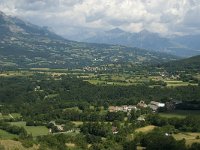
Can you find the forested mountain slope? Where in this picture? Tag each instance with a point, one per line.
(26, 45)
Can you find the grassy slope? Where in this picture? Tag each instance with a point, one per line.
(188, 136)
(6, 135)
(15, 145)
(192, 63)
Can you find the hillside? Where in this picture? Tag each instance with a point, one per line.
(184, 46)
(189, 64)
(26, 45)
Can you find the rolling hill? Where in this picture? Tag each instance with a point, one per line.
(24, 45)
(189, 64)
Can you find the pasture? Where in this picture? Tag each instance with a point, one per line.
(145, 129)
(176, 83)
(180, 113)
(16, 145)
(34, 130)
(188, 136)
(10, 116)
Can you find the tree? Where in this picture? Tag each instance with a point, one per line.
(130, 145)
(135, 114)
(157, 140)
(195, 146)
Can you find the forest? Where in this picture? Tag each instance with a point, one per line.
(76, 111)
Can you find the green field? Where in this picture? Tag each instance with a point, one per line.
(197, 76)
(175, 83)
(16, 145)
(15, 73)
(172, 115)
(15, 115)
(188, 136)
(5, 116)
(34, 130)
(77, 123)
(6, 135)
(145, 129)
(180, 113)
(10, 116)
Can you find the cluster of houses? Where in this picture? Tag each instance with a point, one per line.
(153, 105)
(124, 108)
(95, 69)
(60, 128)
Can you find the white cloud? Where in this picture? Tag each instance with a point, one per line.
(64, 16)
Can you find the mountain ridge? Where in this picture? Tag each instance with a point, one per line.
(26, 45)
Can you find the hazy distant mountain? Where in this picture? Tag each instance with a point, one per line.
(184, 46)
(26, 45)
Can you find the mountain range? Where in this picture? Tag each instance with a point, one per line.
(182, 46)
(24, 45)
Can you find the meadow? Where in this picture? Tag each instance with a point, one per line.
(6, 135)
(34, 130)
(189, 137)
(180, 113)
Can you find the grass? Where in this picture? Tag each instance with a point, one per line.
(73, 108)
(72, 145)
(6, 135)
(95, 82)
(34, 130)
(180, 113)
(176, 83)
(188, 136)
(145, 129)
(15, 73)
(16, 145)
(10, 116)
(4, 116)
(197, 76)
(77, 123)
(16, 115)
(172, 115)
(101, 82)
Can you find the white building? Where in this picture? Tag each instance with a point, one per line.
(156, 105)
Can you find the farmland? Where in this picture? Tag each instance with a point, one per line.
(44, 105)
(106, 78)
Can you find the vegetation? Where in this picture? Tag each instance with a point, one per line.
(64, 111)
(102, 97)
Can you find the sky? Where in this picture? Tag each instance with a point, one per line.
(75, 17)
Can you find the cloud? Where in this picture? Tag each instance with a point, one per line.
(64, 16)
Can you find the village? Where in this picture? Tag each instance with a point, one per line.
(152, 107)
